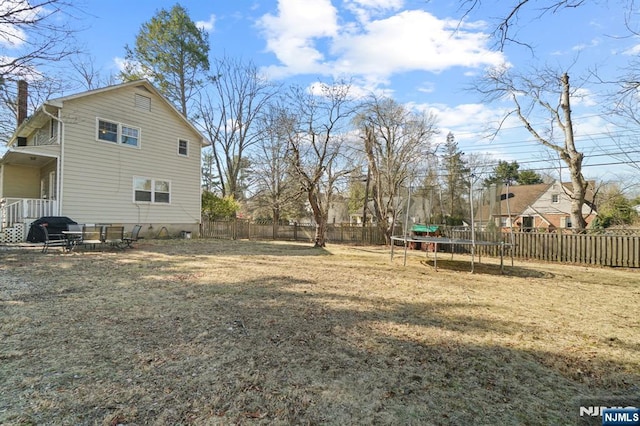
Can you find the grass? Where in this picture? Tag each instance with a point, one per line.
(239, 332)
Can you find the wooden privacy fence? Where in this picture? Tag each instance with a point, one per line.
(590, 249)
(244, 229)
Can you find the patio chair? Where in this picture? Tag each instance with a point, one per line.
(74, 235)
(133, 237)
(91, 235)
(114, 235)
(53, 240)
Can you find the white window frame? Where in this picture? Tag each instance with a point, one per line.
(555, 198)
(121, 133)
(153, 191)
(186, 147)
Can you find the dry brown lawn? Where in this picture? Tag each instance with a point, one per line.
(238, 332)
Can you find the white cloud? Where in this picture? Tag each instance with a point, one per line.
(580, 47)
(120, 63)
(462, 117)
(207, 25)
(364, 10)
(633, 51)
(583, 97)
(378, 4)
(413, 40)
(470, 123)
(307, 39)
(291, 34)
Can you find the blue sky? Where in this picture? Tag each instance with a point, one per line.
(417, 51)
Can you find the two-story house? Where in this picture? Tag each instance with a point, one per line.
(120, 155)
(545, 206)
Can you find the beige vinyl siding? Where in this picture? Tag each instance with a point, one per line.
(45, 174)
(98, 175)
(21, 182)
(545, 205)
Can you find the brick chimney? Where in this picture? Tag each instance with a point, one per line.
(22, 100)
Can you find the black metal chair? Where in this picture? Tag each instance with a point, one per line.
(133, 237)
(74, 235)
(91, 235)
(53, 240)
(114, 235)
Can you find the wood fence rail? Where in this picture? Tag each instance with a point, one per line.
(587, 249)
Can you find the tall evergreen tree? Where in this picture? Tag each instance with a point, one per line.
(456, 180)
(171, 51)
(510, 173)
(528, 177)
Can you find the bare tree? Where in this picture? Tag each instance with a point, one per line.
(34, 33)
(40, 90)
(534, 92)
(229, 112)
(88, 75)
(622, 109)
(274, 182)
(397, 144)
(316, 125)
(509, 13)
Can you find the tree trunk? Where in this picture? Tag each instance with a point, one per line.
(573, 158)
(387, 235)
(320, 218)
(276, 222)
(321, 233)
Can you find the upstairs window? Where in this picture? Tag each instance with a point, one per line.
(555, 198)
(183, 148)
(130, 136)
(151, 190)
(109, 131)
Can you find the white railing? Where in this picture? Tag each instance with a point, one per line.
(16, 210)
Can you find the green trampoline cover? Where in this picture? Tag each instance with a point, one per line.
(424, 228)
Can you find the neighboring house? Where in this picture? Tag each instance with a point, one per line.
(421, 210)
(117, 155)
(534, 207)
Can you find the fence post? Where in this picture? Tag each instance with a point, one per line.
(295, 231)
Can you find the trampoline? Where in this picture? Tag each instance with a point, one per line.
(448, 241)
(436, 240)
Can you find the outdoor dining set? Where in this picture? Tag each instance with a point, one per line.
(90, 236)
